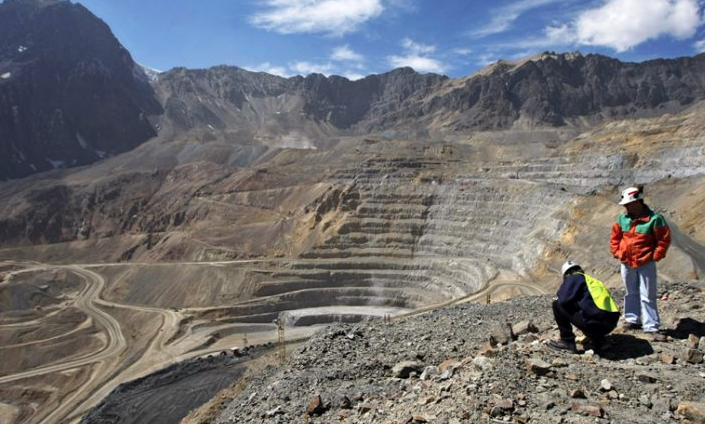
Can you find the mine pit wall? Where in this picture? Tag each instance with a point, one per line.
(419, 211)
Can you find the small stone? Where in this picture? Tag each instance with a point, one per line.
(571, 377)
(405, 368)
(693, 411)
(646, 378)
(501, 334)
(693, 341)
(585, 409)
(701, 344)
(612, 394)
(667, 359)
(419, 419)
(645, 360)
(524, 327)
(538, 366)
(275, 411)
(505, 404)
(449, 364)
(693, 356)
(447, 374)
(577, 394)
(605, 385)
(482, 362)
(487, 350)
(315, 407)
(495, 412)
(559, 363)
(644, 400)
(429, 372)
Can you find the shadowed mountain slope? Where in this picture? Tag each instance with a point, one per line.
(70, 94)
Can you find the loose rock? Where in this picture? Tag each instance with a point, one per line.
(693, 411)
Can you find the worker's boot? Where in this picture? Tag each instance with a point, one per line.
(562, 345)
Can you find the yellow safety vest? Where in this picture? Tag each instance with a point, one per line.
(599, 294)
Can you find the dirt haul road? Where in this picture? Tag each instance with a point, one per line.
(85, 302)
(160, 351)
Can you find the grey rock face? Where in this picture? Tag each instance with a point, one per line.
(550, 90)
(70, 94)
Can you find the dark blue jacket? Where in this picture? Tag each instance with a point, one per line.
(573, 295)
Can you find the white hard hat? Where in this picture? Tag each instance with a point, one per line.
(568, 265)
(629, 195)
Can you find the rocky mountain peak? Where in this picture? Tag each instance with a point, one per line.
(70, 94)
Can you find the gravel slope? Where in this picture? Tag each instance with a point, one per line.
(355, 370)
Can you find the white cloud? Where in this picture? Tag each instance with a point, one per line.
(419, 63)
(553, 37)
(462, 52)
(269, 68)
(417, 48)
(503, 17)
(334, 17)
(619, 25)
(306, 68)
(623, 24)
(344, 53)
(417, 57)
(700, 46)
(487, 59)
(353, 76)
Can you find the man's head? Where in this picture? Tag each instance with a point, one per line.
(632, 200)
(570, 267)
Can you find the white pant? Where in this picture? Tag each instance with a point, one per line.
(640, 300)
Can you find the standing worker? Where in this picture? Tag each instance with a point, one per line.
(583, 301)
(640, 238)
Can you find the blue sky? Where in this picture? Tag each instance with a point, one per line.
(355, 38)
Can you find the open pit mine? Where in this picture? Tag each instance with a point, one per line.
(231, 209)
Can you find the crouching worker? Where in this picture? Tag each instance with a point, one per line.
(584, 302)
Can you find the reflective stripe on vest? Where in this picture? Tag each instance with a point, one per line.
(599, 294)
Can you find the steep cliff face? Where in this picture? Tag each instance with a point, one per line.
(234, 104)
(549, 90)
(556, 90)
(70, 94)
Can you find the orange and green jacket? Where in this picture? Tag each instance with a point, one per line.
(638, 241)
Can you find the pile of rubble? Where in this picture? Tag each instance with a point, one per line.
(487, 363)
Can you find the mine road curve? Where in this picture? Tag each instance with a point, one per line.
(489, 288)
(116, 341)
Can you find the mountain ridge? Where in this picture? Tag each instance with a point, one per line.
(75, 99)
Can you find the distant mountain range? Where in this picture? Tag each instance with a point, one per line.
(70, 95)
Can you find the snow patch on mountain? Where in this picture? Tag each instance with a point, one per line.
(81, 141)
(145, 72)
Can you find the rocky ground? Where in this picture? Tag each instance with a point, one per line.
(464, 364)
